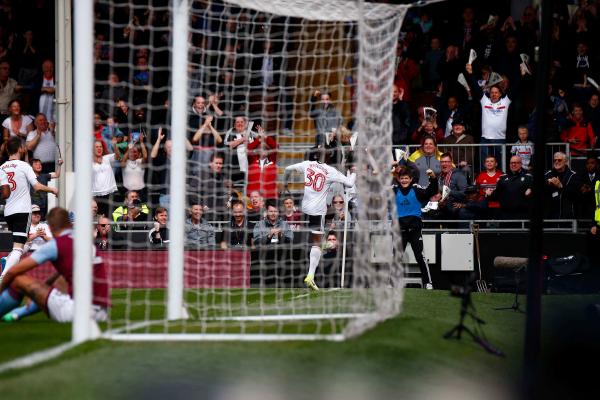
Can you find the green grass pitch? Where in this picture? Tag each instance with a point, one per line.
(405, 353)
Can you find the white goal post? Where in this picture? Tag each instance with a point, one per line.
(345, 46)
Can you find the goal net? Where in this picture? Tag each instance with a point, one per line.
(204, 104)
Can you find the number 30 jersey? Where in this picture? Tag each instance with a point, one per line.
(20, 178)
(318, 178)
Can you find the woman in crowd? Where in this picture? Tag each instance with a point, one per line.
(425, 158)
(133, 165)
(16, 124)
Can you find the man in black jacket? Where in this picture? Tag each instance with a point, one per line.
(513, 191)
(562, 189)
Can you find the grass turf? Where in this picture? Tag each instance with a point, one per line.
(406, 353)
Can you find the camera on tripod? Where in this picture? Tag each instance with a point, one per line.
(467, 309)
(461, 291)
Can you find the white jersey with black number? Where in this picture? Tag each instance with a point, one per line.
(20, 178)
(318, 178)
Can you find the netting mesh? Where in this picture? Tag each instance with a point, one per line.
(260, 76)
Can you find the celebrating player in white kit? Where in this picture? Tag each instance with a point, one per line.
(17, 212)
(318, 178)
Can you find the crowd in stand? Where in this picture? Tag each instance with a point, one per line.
(459, 82)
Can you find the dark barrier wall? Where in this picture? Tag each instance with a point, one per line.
(491, 245)
(511, 244)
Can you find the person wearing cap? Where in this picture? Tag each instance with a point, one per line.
(39, 232)
(462, 156)
(472, 206)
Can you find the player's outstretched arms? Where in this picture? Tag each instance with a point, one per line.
(38, 187)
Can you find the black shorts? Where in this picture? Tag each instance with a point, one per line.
(18, 224)
(316, 223)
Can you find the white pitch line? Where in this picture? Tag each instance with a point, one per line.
(36, 358)
(301, 296)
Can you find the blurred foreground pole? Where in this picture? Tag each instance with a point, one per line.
(532, 362)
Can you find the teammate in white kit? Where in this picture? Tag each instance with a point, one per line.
(318, 178)
(17, 211)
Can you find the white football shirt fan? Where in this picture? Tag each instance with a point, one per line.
(318, 178)
(20, 178)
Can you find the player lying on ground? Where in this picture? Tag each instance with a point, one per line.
(318, 178)
(57, 304)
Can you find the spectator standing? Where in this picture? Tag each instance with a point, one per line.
(513, 191)
(41, 198)
(47, 91)
(105, 237)
(17, 124)
(579, 133)
(563, 189)
(462, 156)
(237, 234)
(8, 89)
(430, 64)
(104, 184)
(161, 163)
(327, 118)
(256, 208)
(199, 233)
(338, 216)
(272, 229)
(209, 186)
(264, 142)
(135, 213)
(42, 143)
(111, 92)
(202, 134)
(159, 234)
(494, 116)
(132, 199)
(237, 139)
(262, 175)
(589, 176)
(291, 214)
(592, 114)
(400, 118)
(428, 127)
(133, 166)
(426, 157)
(487, 180)
(407, 71)
(453, 179)
(523, 148)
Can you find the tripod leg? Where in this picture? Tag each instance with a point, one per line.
(456, 330)
(484, 343)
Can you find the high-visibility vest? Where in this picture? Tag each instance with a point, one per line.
(597, 195)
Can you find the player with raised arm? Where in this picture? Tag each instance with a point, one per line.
(57, 303)
(17, 212)
(318, 178)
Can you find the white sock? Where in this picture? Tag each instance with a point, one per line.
(315, 257)
(13, 257)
